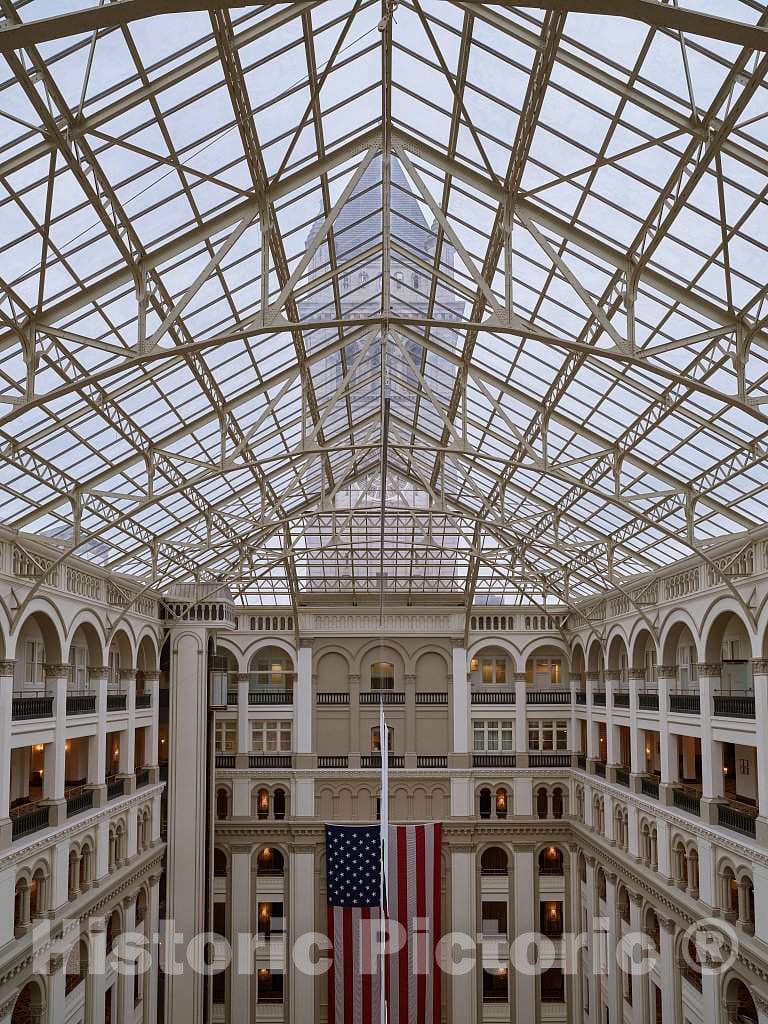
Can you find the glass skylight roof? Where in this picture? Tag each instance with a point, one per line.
(356, 298)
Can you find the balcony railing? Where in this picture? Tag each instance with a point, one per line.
(332, 760)
(622, 776)
(25, 708)
(431, 761)
(598, 698)
(581, 762)
(232, 698)
(548, 697)
(685, 703)
(117, 701)
(428, 697)
(552, 929)
(382, 697)
(27, 819)
(493, 760)
(600, 769)
(649, 787)
(142, 777)
(620, 698)
(333, 698)
(685, 801)
(374, 760)
(270, 760)
(489, 696)
(81, 703)
(271, 696)
(79, 802)
(115, 788)
(581, 696)
(648, 701)
(225, 760)
(735, 820)
(549, 760)
(143, 701)
(731, 706)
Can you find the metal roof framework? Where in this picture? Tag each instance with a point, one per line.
(567, 388)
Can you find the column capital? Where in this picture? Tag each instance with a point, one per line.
(759, 667)
(409, 677)
(305, 643)
(7, 666)
(667, 923)
(129, 900)
(6, 1008)
(519, 677)
(637, 675)
(127, 675)
(56, 670)
(151, 676)
(55, 963)
(457, 643)
(612, 677)
(97, 924)
(242, 677)
(592, 677)
(761, 1001)
(98, 673)
(354, 677)
(666, 671)
(709, 668)
(154, 881)
(590, 859)
(636, 898)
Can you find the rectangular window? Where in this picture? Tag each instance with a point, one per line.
(493, 735)
(271, 736)
(382, 675)
(226, 737)
(487, 675)
(34, 659)
(494, 917)
(113, 667)
(78, 666)
(548, 734)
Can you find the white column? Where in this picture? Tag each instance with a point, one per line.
(640, 1010)
(56, 990)
(525, 921)
(662, 849)
(707, 872)
(638, 766)
(760, 882)
(521, 720)
(243, 727)
(760, 682)
(711, 751)
(128, 740)
(126, 982)
(590, 684)
(7, 897)
(463, 919)
(96, 981)
(611, 736)
(97, 744)
(56, 678)
(152, 735)
(761, 1005)
(153, 928)
(668, 969)
(187, 805)
(461, 705)
(241, 919)
(303, 700)
(6, 725)
(302, 922)
(667, 744)
(615, 994)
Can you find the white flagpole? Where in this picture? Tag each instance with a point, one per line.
(384, 819)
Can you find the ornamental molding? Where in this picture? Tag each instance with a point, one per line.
(7, 666)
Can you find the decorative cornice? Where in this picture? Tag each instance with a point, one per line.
(127, 675)
(6, 1008)
(56, 670)
(709, 668)
(665, 671)
(151, 676)
(7, 666)
(760, 666)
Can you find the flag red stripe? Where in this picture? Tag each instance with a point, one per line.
(436, 978)
(423, 941)
(349, 975)
(403, 881)
(331, 972)
(366, 979)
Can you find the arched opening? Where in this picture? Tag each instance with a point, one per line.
(222, 803)
(485, 803)
(551, 861)
(77, 967)
(270, 862)
(728, 644)
(29, 1008)
(219, 863)
(542, 803)
(558, 803)
(652, 928)
(739, 1003)
(270, 669)
(279, 804)
(493, 861)
(501, 802)
(262, 804)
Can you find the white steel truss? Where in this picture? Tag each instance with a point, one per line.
(391, 300)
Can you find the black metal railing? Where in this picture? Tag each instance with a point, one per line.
(552, 929)
(232, 700)
(600, 769)
(622, 776)
(493, 696)
(685, 801)
(27, 819)
(79, 802)
(735, 820)
(270, 760)
(620, 699)
(581, 762)
(431, 761)
(333, 698)
(225, 760)
(115, 788)
(493, 760)
(25, 708)
(734, 707)
(382, 697)
(332, 760)
(598, 698)
(143, 701)
(427, 697)
(649, 787)
(81, 703)
(548, 760)
(648, 701)
(685, 703)
(374, 760)
(142, 778)
(117, 701)
(548, 697)
(581, 696)
(276, 696)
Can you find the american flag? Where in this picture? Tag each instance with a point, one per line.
(354, 908)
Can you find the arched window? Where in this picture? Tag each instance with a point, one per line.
(278, 804)
(262, 804)
(557, 802)
(501, 802)
(382, 675)
(269, 862)
(551, 861)
(222, 804)
(219, 863)
(542, 803)
(493, 861)
(485, 803)
(600, 884)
